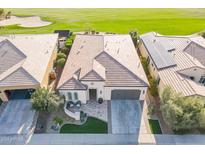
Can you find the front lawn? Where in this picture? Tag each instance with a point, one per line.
(92, 125)
(155, 127)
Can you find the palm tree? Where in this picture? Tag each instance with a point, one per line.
(44, 99)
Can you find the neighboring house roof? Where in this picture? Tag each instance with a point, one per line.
(62, 33)
(159, 50)
(184, 60)
(196, 49)
(24, 58)
(9, 55)
(112, 58)
(18, 78)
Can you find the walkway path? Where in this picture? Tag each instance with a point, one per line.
(96, 110)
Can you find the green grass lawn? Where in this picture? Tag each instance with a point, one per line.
(92, 125)
(164, 21)
(155, 127)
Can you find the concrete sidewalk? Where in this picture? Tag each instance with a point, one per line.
(83, 139)
(172, 139)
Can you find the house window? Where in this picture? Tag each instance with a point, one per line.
(75, 95)
(69, 96)
(202, 80)
(100, 91)
(192, 78)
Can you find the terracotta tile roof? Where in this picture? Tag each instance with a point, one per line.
(120, 50)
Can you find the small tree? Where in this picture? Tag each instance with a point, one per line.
(61, 55)
(60, 62)
(69, 42)
(64, 50)
(8, 15)
(135, 37)
(145, 65)
(58, 121)
(2, 12)
(44, 100)
(182, 113)
(61, 59)
(203, 34)
(153, 87)
(202, 118)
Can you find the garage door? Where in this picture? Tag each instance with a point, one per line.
(125, 94)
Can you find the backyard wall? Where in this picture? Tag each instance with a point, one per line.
(45, 81)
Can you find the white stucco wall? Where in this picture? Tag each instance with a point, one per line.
(82, 94)
(161, 87)
(108, 91)
(152, 67)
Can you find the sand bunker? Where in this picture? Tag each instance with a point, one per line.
(33, 21)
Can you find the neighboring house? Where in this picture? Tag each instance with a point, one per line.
(62, 37)
(25, 62)
(103, 66)
(177, 61)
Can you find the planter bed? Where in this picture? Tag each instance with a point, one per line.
(155, 126)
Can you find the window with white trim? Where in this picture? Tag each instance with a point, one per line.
(69, 95)
(75, 95)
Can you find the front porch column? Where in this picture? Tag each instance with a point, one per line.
(3, 96)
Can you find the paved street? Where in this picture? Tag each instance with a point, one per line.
(172, 139)
(83, 139)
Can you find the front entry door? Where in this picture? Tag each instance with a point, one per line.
(93, 94)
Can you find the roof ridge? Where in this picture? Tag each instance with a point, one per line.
(11, 70)
(17, 49)
(136, 76)
(30, 77)
(72, 78)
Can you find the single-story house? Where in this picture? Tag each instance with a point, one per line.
(25, 62)
(176, 61)
(103, 66)
(62, 37)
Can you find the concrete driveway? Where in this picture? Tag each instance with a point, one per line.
(125, 117)
(17, 117)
